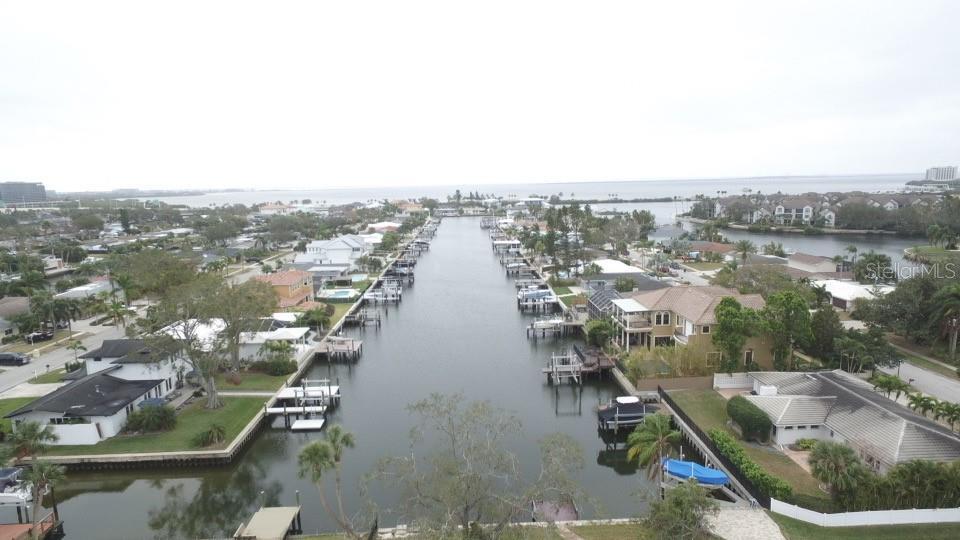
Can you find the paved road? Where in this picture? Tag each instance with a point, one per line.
(928, 382)
(56, 358)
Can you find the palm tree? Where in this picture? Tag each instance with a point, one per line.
(41, 477)
(852, 250)
(914, 401)
(651, 442)
(837, 465)
(946, 314)
(316, 318)
(744, 248)
(119, 312)
(30, 439)
(320, 457)
(76, 346)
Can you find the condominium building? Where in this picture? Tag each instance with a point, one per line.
(942, 173)
(22, 192)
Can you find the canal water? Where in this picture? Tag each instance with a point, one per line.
(457, 331)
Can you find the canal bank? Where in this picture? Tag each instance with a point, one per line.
(457, 330)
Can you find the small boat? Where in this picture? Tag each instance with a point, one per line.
(624, 411)
(13, 491)
(705, 476)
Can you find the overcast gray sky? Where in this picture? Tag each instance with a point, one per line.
(99, 95)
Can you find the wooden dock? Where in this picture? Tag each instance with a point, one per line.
(337, 348)
(271, 523)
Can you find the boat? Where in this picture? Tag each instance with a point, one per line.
(14, 491)
(624, 411)
(705, 476)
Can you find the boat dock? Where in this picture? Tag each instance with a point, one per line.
(272, 523)
(340, 348)
(550, 327)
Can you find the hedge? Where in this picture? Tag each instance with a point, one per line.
(754, 423)
(767, 484)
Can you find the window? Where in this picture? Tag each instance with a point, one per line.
(705, 329)
(663, 318)
(713, 358)
(788, 428)
(748, 357)
(801, 427)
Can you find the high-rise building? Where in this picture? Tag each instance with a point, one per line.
(22, 192)
(942, 173)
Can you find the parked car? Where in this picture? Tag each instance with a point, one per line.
(34, 337)
(13, 359)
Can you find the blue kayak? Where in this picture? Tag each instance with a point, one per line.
(689, 469)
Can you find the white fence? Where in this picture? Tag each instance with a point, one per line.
(878, 517)
(732, 380)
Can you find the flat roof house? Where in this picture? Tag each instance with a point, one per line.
(836, 406)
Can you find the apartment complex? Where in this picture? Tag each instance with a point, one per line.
(942, 173)
(22, 192)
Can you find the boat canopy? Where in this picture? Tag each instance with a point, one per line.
(688, 469)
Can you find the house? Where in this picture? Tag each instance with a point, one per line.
(98, 286)
(836, 406)
(383, 227)
(293, 287)
(275, 209)
(10, 307)
(252, 343)
(813, 263)
(206, 335)
(682, 316)
(344, 249)
(843, 294)
(116, 378)
(611, 270)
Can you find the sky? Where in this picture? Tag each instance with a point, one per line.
(310, 95)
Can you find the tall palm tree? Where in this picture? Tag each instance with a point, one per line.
(321, 457)
(837, 465)
(744, 248)
(118, 311)
(316, 318)
(852, 250)
(651, 442)
(30, 439)
(42, 476)
(946, 315)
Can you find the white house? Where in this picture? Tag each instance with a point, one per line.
(812, 263)
(115, 380)
(843, 293)
(836, 406)
(344, 249)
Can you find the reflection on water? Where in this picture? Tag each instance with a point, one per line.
(457, 330)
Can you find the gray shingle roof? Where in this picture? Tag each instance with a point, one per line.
(100, 394)
(877, 425)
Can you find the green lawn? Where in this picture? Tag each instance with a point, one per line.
(704, 266)
(49, 377)
(251, 380)
(930, 366)
(636, 531)
(935, 254)
(573, 299)
(800, 530)
(9, 405)
(560, 291)
(339, 310)
(234, 416)
(709, 410)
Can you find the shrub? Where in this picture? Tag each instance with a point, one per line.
(806, 444)
(276, 366)
(152, 418)
(233, 378)
(625, 284)
(599, 332)
(554, 281)
(70, 366)
(752, 421)
(215, 434)
(767, 484)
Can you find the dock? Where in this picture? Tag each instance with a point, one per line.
(271, 523)
(341, 348)
(562, 367)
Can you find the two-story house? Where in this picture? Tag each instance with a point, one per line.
(682, 316)
(293, 287)
(343, 250)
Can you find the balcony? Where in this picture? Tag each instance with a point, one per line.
(681, 337)
(635, 323)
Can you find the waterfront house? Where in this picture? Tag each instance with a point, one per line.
(611, 270)
(344, 249)
(115, 379)
(836, 406)
(88, 410)
(293, 287)
(682, 316)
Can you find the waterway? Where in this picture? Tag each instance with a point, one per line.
(457, 330)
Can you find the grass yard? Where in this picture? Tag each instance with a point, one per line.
(800, 530)
(560, 291)
(572, 300)
(251, 380)
(704, 266)
(49, 377)
(234, 416)
(9, 405)
(935, 254)
(930, 366)
(709, 410)
(637, 531)
(339, 310)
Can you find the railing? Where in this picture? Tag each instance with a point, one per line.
(760, 497)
